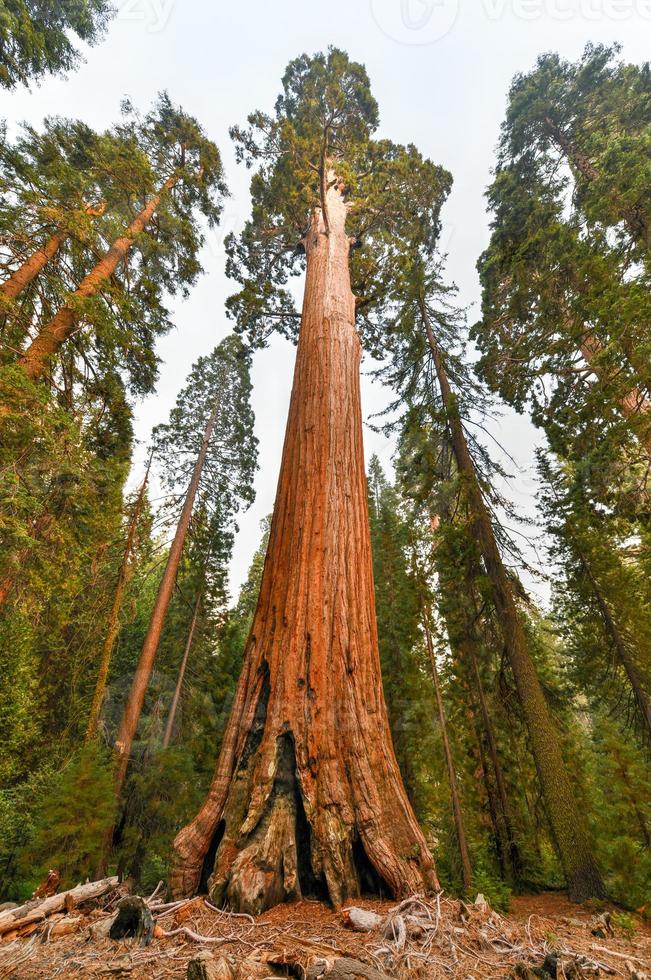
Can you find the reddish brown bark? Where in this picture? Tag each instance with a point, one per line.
(114, 617)
(51, 338)
(457, 812)
(31, 267)
(570, 835)
(36, 262)
(169, 727)
(135, 701)
(307, 792)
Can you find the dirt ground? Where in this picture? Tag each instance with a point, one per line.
(434, 938)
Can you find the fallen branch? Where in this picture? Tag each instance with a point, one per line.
(37, 910)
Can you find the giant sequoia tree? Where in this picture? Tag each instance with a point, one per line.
(307, 793)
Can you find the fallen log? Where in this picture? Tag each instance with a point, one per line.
(38, 910)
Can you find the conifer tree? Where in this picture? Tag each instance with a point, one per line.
(565, 303)
(209, 453)
(172, 175)
(36, 39)
(307, 749)
(603, 605)
(420, 362)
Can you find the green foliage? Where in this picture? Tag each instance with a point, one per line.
(70, 820)
(68, 180)
(18, 806)
(407, 685)
(323, 126)
(565, 278)
(35, 38)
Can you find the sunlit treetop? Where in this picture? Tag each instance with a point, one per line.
(323, 130)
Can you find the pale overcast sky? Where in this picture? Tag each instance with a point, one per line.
(440, 70)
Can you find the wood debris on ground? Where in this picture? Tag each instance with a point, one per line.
(99, 930)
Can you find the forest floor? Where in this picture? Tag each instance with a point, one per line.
(421, 939)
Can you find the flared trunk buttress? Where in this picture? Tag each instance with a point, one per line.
(307, 795)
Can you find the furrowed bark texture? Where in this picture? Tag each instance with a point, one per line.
(307, 794)
(54, 334)
(581, 872)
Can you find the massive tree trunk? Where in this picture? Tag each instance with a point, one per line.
(135, 701)
(581, 872)
(54, 334)
(457, 812)
(307, 794)
(36, 262)
(114, 616)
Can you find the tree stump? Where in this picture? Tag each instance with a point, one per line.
(134, 919)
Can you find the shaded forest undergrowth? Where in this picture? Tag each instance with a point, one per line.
(543, 935)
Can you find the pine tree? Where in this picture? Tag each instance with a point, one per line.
(602, 603)
(565, 278)
(407, 689)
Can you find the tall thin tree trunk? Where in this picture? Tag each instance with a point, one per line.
(512, 847)
(570, 834)
(114, 616)
(457, 812)
(307, 792)
(36, 262)
(133, 707)
(51, 338)
(169, 727)
(642, 698)
(501, 846)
